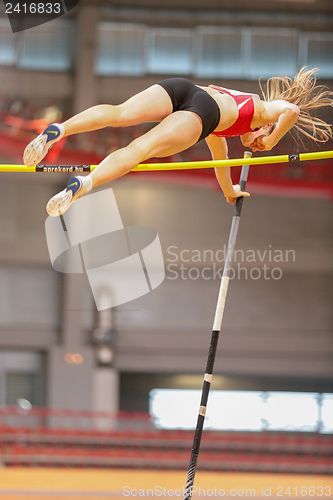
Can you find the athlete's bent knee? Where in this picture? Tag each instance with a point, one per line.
(125, 113)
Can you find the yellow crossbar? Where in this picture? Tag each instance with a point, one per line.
(187, 165)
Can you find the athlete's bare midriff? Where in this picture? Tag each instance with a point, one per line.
(229, 111)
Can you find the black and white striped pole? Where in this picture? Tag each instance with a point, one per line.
(215, 335)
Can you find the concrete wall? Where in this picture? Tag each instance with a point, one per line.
(272, 326)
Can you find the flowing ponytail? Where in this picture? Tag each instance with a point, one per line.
(303, 91)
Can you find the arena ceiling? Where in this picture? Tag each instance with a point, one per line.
(277, 5)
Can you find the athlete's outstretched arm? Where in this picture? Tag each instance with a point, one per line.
(219, 150)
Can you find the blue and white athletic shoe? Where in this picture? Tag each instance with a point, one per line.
(76, 187)
(37, 149)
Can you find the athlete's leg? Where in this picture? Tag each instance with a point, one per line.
(152, 104)
(173, 134)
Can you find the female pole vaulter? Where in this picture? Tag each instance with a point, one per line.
(186, 114)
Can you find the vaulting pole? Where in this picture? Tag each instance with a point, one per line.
(215, 334)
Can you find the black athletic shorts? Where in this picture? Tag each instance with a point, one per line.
(186, 96)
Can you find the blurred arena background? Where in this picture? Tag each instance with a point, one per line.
(94, 403)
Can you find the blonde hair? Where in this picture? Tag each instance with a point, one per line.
(303, 91)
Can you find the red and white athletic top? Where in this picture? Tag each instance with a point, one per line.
(245, 106)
